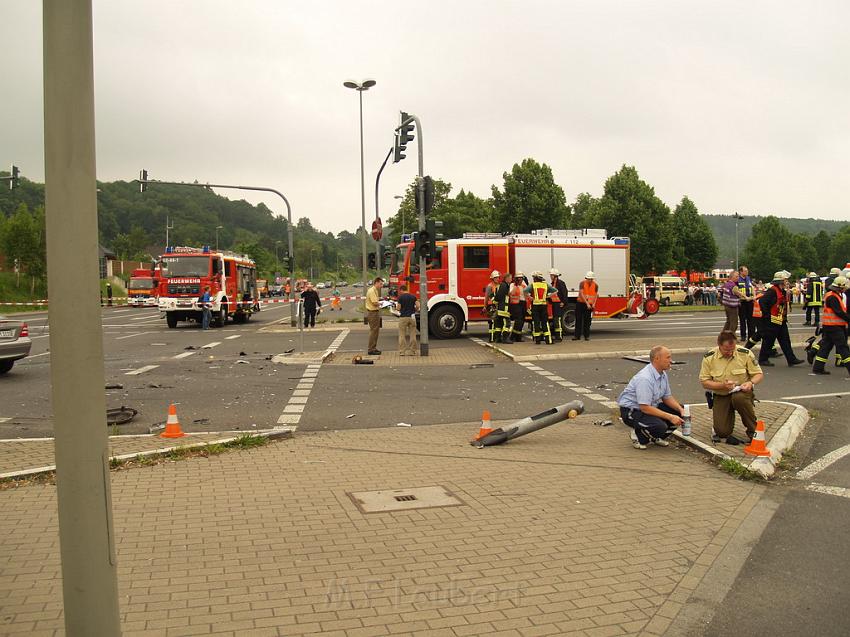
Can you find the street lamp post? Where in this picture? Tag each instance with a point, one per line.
(276, 256)
(217, 228)
(365, 85)
(311, 263)
(737, 217)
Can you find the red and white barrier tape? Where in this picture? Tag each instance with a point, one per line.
(262, 301)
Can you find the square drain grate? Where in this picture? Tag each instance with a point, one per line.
(404, 499)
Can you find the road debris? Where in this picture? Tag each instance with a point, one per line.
(403, 424)
(114, 386)
(120, 415)
(241, 362)
(157, 427)
(481, 365)
(190, 347)
(242, 354)
(603, 423)
(351, 415)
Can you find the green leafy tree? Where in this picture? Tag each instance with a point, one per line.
(530, 199)
(821, 243)
(807, 256)
(582, 212)
(630, 208)
(464, 213)
(406, 220)
(839, 248)
(769, 249)
(24, 241)
(694, 248)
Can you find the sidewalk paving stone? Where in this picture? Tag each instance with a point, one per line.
(568, 530)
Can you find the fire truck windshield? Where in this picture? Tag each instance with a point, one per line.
(398, 260)
(185, 266)
(141, 284)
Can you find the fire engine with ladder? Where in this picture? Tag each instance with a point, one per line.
(186, 271)
(459, 274)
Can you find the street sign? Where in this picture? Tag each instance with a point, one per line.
(377, 229)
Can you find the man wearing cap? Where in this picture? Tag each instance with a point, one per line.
(833, 329)
(373, 317)
(588, 293)
(517, 306)
(814, 296)
(539, 292)
(730, 372)
(774, 309)
(559, 303)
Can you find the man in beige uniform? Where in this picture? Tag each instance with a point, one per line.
(373, 317)
(725, 368)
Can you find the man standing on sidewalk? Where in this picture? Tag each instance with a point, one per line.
(373, 316)
(747, 293)
(725, 368)
(647, 405)
(730, 299)
(407, 305)
(588, 293)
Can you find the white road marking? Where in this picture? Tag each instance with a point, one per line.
(303, 385)
(545, 373)
(556, 378)
(836, 394)
(534, 368)
(298, 400)
(294, 408)
(183, 355)
(526, 364)
(581, 390)
(119, 338)
(597, 397)
(141, 370)
(35, 337)
(566, 383)
(37, 355)
(611, 404)
(289, 419)
(822, 463)
(820, 488)
(141, 318)
(301, 392)
(5, 419)
(229, 338)
(211, 345)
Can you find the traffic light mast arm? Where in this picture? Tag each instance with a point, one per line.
(378, 182)
(289, 229)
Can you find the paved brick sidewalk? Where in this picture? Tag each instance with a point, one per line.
(566, 531)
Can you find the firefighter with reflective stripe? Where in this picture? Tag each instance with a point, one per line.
(490, 303)
(774, 308)
(516, 306)
(539, 292)
(814, 298)
(833, 329)
(502, 327)
(756, 334)
(588, 293)
(558, 306)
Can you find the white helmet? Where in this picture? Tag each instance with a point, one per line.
(590, 275)
(495, 274)
(834, 272)
(839, 282)
(537, 274)
(812, 274)
(519, 275)
(782, 275)
(555, 272)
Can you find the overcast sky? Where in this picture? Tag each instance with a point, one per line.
(739, 105)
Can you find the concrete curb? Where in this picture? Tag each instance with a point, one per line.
(271, 434)
(582, 356)
(781, 441)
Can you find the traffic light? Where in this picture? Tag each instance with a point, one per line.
(423, 249)
(286, 262)
(429, 195)
(373, 261)
(143, 180)
(431, 227)
(403, 137)
(388, 259)
(15, 181)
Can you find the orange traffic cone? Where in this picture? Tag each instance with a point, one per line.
(172, 425)
(758, 446)
(486, 427)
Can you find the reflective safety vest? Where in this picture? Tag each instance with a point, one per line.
(777, 312)
(817, 293)
(517, 294)
(588, 292)
(538, 292)
(829, 317)
(490, 293)
(756, 306)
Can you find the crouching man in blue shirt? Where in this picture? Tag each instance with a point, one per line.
(647, 404)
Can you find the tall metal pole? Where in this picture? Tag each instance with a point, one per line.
(362, 193)
(86, 539)
(737, 216)
(423, 266)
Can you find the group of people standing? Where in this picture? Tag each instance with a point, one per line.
(512, 302)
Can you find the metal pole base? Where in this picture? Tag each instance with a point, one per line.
(423, 349)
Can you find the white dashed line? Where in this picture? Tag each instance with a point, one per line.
(597, 397)
(611, 404)
(5, 419)
(211, 345)
(822, 463)
(301, 392)
(141, 370)
(581, 390)
(119, 338)
(289, 419)
(294, 408)
(183, 355)
(298, 400)
(566, 383)
(836, 394)
(820, 488)
(230, 338)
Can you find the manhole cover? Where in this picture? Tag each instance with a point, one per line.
(404, 499)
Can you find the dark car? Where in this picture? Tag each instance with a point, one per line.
(15, 342)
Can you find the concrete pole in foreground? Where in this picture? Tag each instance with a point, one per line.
(89, 572)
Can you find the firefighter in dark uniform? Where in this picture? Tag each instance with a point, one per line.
(814, 298)
(559, 305)
(490, 303)
(517, 306)
(774, 308)
(539, 292)
(758, 325)
(833, 331)
(502, 327)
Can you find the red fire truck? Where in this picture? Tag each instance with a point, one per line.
(458, 276)
(187, 271)
(143, 288)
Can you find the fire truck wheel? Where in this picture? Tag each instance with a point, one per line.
(446, 322)
(240, 317)
(569, 320)
(651, 306)
(171, 319)
(221, 317)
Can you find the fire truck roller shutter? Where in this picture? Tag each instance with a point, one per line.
(574, 264)
(610, 269)
(531, 258)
